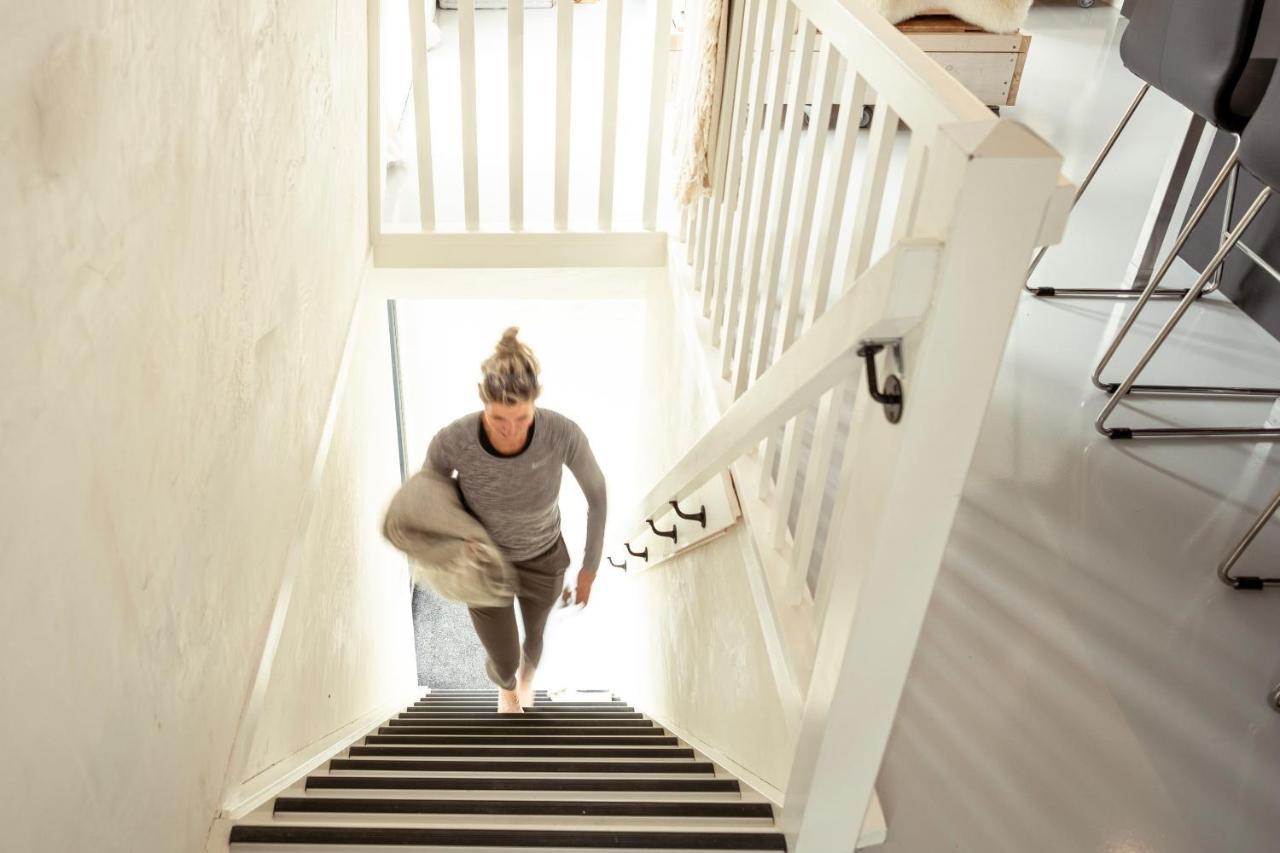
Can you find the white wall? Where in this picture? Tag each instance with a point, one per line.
(696, 655)
(183, 219)
(348, 638)
(697, 658)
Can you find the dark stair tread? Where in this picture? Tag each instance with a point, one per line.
(492, 707)
(521, 738)
(538, 697)
(518, 720)
(647, 732)
(487, 689)
(535, 711)
(491, 766)
(538, 702)
(585, 808)
(542, 838)
(494, 783)
(523, 751)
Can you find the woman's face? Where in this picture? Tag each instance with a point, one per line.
(509, 423)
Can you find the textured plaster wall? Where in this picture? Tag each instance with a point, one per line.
(348, 638)
(183, 224)
(697, 658)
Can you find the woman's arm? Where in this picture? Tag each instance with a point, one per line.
(437, 460)
(582, 462)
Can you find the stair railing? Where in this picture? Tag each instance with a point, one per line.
(803, 298)
(449, 84)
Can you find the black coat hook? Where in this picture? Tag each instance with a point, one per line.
(643, 554)
(671, 534)
(699, 516)
(622, 565)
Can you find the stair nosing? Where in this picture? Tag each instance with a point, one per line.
(716, 839)
(526, 807)
(526, 783)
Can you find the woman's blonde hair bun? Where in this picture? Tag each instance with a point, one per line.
(510, 375)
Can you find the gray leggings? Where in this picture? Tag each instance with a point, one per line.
(541, 581)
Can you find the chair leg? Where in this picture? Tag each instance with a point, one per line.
(1123, 389)
(1088, 178)
(1258, 261)
(1156, 236)
(1245, 581)
(1149, 291)
(1216, 281)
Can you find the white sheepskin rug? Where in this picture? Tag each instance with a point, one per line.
(997, 16)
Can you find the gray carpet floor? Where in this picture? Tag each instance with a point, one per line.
(449, 654)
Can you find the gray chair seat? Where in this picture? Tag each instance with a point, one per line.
(1196, 52)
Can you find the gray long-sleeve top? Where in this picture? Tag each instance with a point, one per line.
(516, 497)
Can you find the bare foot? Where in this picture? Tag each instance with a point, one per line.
(524, 686)
(509, 702)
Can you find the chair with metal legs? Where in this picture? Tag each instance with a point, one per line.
(1225, 573)
(1259, 154)
(1196, 53)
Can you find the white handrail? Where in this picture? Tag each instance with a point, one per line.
(816, 362)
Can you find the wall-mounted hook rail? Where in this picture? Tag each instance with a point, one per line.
(700, 516)
(671, 534)
(891, 395)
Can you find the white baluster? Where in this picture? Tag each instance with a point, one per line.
(422, 113)
(515, 114)
(470, 149)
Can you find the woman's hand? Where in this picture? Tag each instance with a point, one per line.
(583, 592)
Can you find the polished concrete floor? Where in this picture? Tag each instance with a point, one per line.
(1084, 682)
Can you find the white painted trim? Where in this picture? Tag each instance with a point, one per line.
(781, 204)
(256, 791)
(422, 113)
(523, 249)
(255, 698)
(658, 84)
(470, 146)
(609, 111)
(564, 107)
(874, 829)
(515, 115)
(715, 398)
(727, 193)
(816, 361)
(787, 635)
(768, 790)
(899, 484)
(373, 114)
(513, 283)
(763, 214)
(734, 263)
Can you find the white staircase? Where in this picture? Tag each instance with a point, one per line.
(449, 773)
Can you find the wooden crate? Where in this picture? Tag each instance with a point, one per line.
(988, 64)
